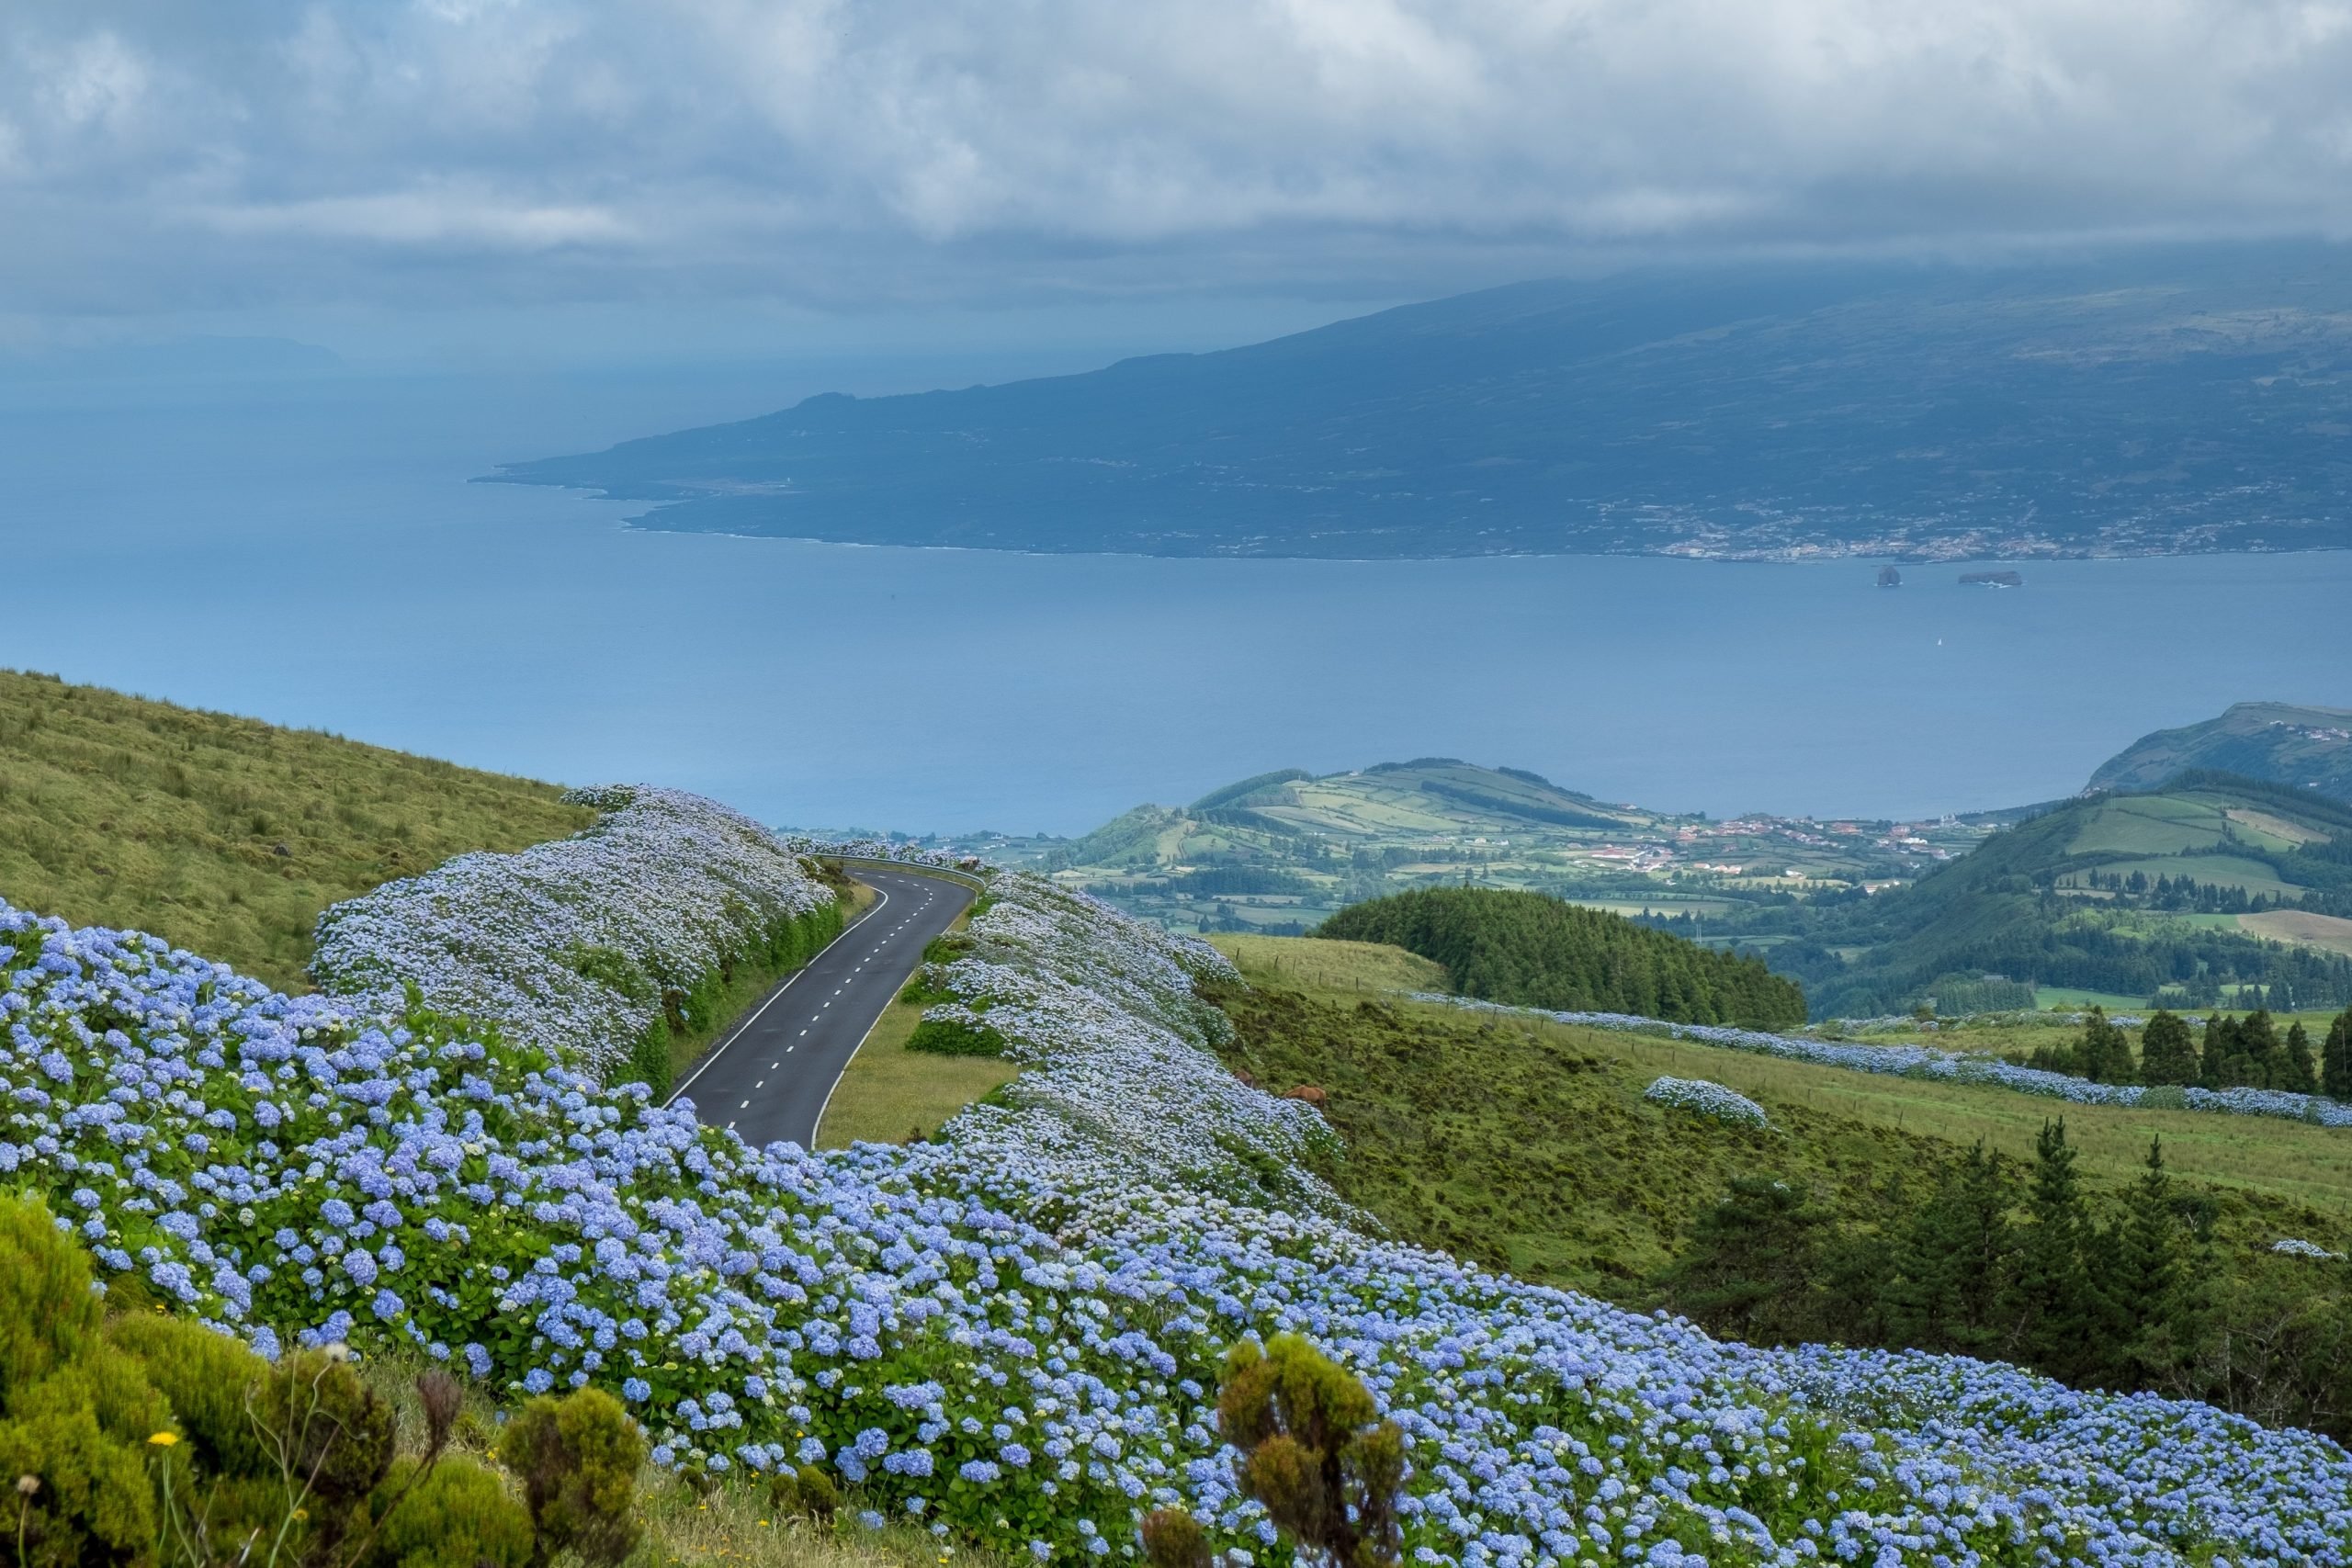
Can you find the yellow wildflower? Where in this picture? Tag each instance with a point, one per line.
(164, 1439)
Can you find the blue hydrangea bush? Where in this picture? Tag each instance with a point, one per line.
(571, 945)
(1702, 1097)
(1949, 1066)
(1012, 1333)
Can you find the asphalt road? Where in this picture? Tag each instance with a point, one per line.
(770, 1080)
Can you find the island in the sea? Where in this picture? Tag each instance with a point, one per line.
(2173, 401)
(1992, 579)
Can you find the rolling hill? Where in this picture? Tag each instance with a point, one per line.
(2178, 401)
(2139, 896)
(2307, 748)
(226, 835)
(1283, 850)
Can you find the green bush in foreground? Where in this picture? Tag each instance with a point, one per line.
(1314, 1450)
(460, 1516)
(578, 1457)
(151, 1442)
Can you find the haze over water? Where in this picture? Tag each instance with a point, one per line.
(309, 551)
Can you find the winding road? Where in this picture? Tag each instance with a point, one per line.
(771, 1077)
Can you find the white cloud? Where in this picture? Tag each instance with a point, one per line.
(829, 150)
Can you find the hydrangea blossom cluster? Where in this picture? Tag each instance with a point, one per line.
(1702, 1097)
(1905, 1023)
(896, 850)
(1015, 1330)
(1950, 1066)
(2295, 1246)
(571, 944)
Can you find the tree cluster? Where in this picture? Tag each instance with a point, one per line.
(2019, 1264)
(1528, 950)
(2228, 1053)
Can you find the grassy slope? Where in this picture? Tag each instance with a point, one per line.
(1529, 1146)
(226, 835)
(1982, 911)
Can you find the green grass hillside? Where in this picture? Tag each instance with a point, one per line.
(2303, 748)
(1526, 950)
(1279, 851)
(1529, 1146)
(2133, 895)
(226, 835)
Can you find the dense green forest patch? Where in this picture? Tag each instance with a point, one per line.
(226, 835)
(1527, 950)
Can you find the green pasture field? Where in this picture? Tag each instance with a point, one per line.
(2282, 1173)
(2328, 932)
(2162, 825)
(2222, 870)
(1330, 968)
(225, 835)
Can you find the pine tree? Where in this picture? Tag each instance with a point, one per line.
(2215, 1066)
(2296, 1069)
(2335, 1079)
(2050, 1307)
(2258, 1044)
(2104, 1052)
(2141, 1263)
(1750, 1269)
(2167, 1051)
(1951, 1264)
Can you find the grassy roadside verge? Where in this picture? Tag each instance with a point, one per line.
(888, 1094)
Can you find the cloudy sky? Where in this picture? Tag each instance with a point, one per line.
(225, 161)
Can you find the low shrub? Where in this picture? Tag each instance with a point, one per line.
(951, 1030)
(808, 1493)
(578, 1458)
(459, 1516)
(1314, 1449)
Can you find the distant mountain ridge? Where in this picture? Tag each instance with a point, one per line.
(2308, 748)
(2178, 401)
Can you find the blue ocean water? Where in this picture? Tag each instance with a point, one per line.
(308, 549)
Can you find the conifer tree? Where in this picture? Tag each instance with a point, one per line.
(2142, 1259)
(2218, 1059)
(2296, 1069)
(2167, 1051)
(2258, 1044)
(1944, 1289)
(1754, 1256)
(2104, 1052)
(2336, 1062)
(2050, 1309)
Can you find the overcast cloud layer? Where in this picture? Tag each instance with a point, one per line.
(168, 156)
